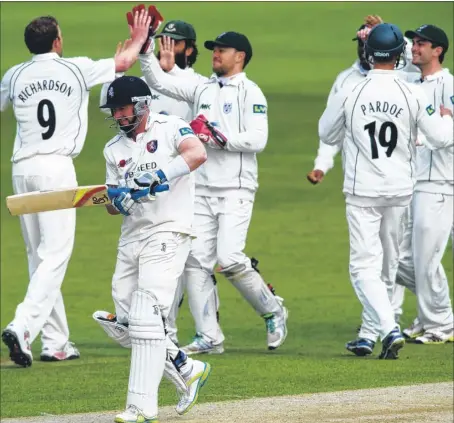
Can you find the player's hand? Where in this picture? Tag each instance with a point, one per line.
(372, 20)
(166, 53)
(444, 111)
(151, 183)
(155, 21)
(122, 202)
(139, 26)
(207, 133)
(316, 176)
(121, 47)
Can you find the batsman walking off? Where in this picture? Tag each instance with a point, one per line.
(49, 95)
(377, 123)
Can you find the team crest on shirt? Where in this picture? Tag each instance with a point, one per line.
(430, 110)
(152, 146)
(452, 99)
(227, 108)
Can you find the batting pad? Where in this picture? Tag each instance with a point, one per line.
(145, 319)
(118, 332)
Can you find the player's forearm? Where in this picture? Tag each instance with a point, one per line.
(252, 141)
(171, 86)
(194, 156)
(127, 58)
(325, 156)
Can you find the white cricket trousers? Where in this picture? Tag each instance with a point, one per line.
(49, 240)
(153, 265)
(420, 268)
(375, 233)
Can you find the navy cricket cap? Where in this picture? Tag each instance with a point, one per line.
(430, 33)
(232, 39)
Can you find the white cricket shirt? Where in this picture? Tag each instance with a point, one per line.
(49, 95)
(238, 109)
(172, 210)
(378, 122)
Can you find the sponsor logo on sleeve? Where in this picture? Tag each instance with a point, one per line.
(259, 108)
(430, 110)
(186, 131)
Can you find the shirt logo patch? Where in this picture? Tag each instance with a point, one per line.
(163, 112)
(259, 108)
(186, 131)
(152, 146)
(227, 108)
(430, 110)
(452, 99)
(205, 106)
(123, 163)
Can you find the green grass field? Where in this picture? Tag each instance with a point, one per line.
(298, 231)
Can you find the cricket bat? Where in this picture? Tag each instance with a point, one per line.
(41, 201)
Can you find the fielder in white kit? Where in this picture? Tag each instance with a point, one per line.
(152, 153)
(431, 220)
(49, 96)
(377, 122)
(232, 122)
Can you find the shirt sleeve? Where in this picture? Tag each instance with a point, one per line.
(111, 170)
(183, 132)
(254, 136)
(447, 97)
(176, 87)
(5, 86)
(331, 126)
(437, 130)
(95, 71)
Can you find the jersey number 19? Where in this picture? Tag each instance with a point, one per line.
(390, 143)
(48, 123)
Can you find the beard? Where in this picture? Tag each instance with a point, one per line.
(181, 59)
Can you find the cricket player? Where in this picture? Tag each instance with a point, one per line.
(377, 122)
(177, 54)
(232, 122)
(431, 211)
(324, 161)
(49, 95)
(153, 153)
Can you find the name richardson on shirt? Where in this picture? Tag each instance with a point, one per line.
(40, 86)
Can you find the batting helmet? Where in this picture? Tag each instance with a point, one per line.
(385, 42)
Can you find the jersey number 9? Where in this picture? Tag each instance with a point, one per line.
(385, 138)
(48, 123)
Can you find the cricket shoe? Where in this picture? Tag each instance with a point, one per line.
(197, 379)
(415, 330)
(276, 326)
(391, 345)
(200, 346)
(18, 343)
(134, 415)
(68, 352)
(360, 346)
(434, 337)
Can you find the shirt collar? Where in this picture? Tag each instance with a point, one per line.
(382, 72)
(45, 56)
(231, 80)
(435, 75)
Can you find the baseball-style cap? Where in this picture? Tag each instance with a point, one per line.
(430, 33)
(126, 90)
(232, 39)
(178, 30)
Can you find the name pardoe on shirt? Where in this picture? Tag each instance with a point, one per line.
(46, 85)
(381, 107)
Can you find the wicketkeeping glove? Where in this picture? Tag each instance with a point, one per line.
(156, 20)
(207, 133)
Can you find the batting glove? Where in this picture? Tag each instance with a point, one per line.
(151, 182)
(122, 202)
(156, 21)
(207, 133)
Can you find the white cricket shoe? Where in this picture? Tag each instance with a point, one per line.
(416, 329)
(68, 352)
(18, 342)
(134, 415)
(196, 380)
(434, 337)
(200, 346)
(276, 326)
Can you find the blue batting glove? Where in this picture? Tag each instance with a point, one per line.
(122, 201)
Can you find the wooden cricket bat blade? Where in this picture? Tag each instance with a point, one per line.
(41, 201)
